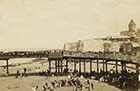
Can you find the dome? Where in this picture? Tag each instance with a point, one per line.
(132, 22)
(132, 26)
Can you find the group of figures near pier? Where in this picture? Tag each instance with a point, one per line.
(76, 83)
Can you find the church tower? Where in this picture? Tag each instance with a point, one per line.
(132, 26)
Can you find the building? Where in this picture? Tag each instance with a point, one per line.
(128, 42)
(74, 46)
(132, 31)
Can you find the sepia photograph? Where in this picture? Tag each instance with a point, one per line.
(69, 45)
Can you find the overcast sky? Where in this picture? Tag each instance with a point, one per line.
(51, 23)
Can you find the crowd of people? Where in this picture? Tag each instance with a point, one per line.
(121, 80)
(75, 83)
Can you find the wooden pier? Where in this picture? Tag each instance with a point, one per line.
(63, 58)
(116, 59)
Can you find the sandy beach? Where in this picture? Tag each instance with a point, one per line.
(12, 84)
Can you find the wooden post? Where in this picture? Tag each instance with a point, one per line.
(61, 66)
(122, 65)
(90, 66)
(84, 66)
(79, 66)
(116, 66)
(49, 65)
(125, 66)
(74, 65)
(7, 66)
(137, 74)
(106, 66)
(103, 66)
(67, 65)
(56, 66)
(97, 66)
(137, 69)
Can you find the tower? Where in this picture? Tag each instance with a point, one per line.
(132, 26)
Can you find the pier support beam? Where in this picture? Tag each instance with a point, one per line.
(90, 66)
(97, 66)
(116, 66)
(7, 66)
(49, 65)
(137, 69)
(103, 66)
(123, 66)
(106, 66)
(137, 74)
(67, 65)
(79, 66)
(84, 66)
(61, 65)
(74, 65)
(56, 66)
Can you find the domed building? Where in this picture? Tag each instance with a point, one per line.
(132, 29)
(128, 42)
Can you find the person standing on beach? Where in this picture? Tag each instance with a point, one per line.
(25, 72)
(88, 85)
(18, 74)
(92, 85)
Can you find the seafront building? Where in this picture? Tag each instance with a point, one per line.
(128, 42)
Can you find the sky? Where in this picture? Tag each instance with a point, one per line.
(51, 23)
